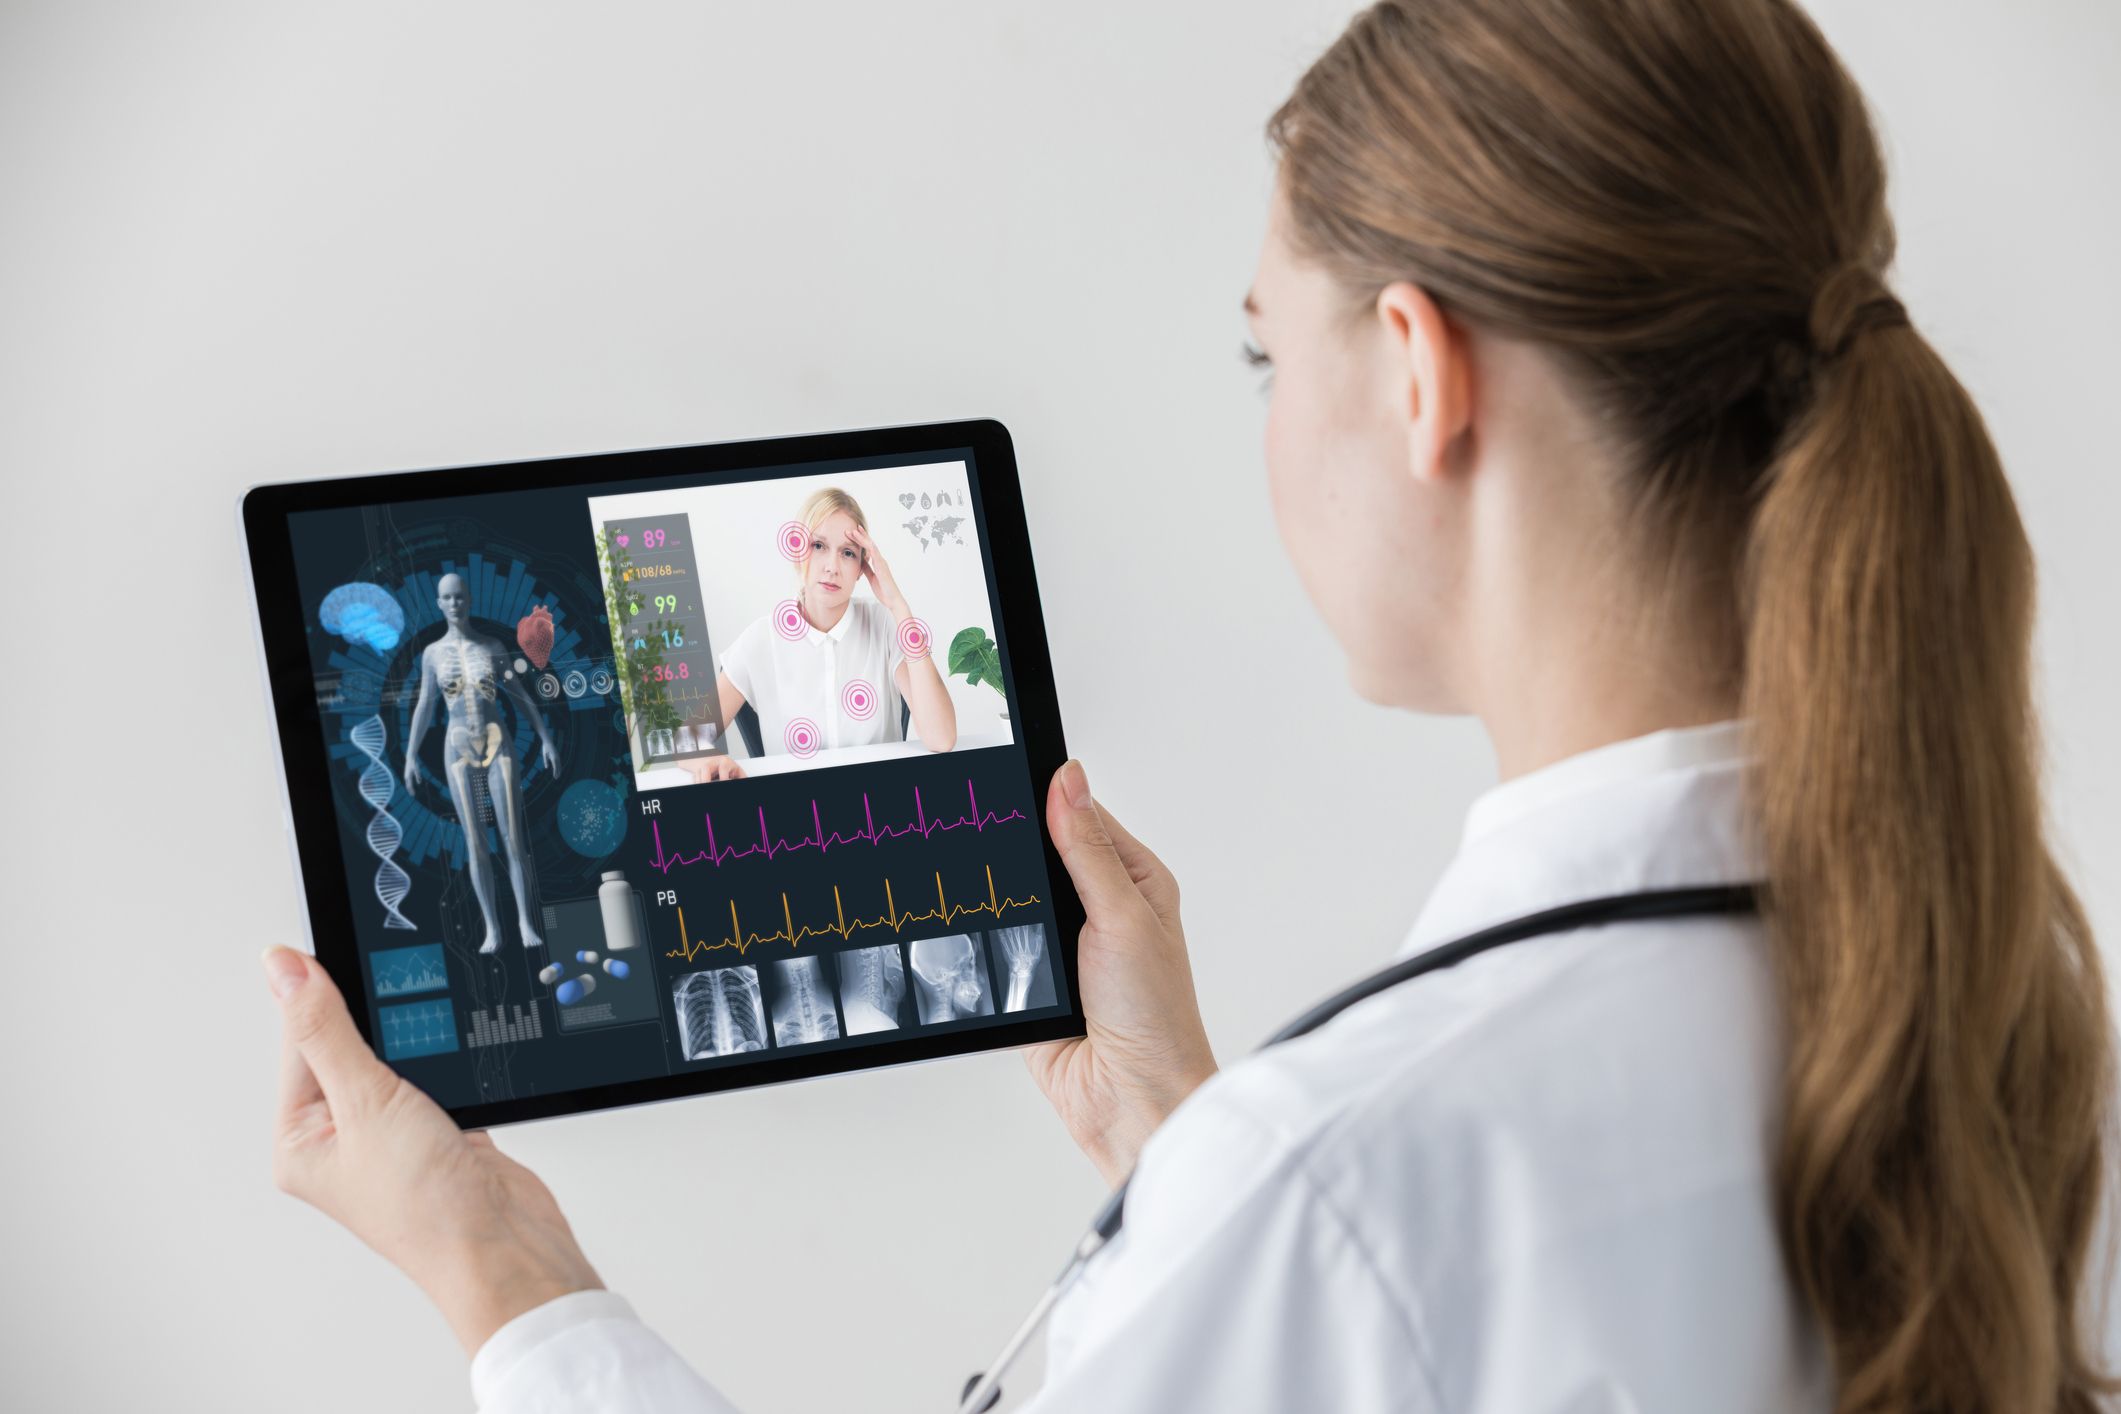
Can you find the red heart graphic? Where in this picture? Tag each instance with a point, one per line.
(534, 633)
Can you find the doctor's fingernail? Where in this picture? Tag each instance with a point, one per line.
(1077, 783)
(284, 970)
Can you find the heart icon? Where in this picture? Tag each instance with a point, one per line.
(534, 635)
(624, 541)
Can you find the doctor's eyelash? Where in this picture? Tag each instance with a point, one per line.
(1257, 358)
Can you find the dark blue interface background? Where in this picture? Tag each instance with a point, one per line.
(626, 932)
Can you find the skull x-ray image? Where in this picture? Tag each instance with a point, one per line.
(719, 1012)
(802, 1002)
(950, 978)
(1021, 965)
(873, 993)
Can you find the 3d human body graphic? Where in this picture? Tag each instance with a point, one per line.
(471, 672)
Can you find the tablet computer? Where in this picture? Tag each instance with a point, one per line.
(624, 777)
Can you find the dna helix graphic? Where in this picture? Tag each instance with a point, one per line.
(384, 832)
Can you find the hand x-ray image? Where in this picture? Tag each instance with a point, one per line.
(1020, 962)
(950, 978)
(802, 1003)
(719, 1012)
(873, 990)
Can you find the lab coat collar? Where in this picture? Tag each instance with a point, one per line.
(1673, 749)
(1660, 811)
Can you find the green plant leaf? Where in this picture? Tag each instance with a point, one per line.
(965, 647)
(974, 655)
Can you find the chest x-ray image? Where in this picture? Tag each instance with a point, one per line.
(873, 990)
(802, 1002)
(719, 1012)
(950, 978)
(1021, 964)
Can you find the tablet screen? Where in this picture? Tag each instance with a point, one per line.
(648, 778)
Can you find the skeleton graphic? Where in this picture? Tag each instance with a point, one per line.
(469, 673)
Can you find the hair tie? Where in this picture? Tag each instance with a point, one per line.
(1849, 301)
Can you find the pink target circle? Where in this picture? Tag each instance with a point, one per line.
(858, 700)
(801, 737)
(788, 620)
(913, 638)
(793, 539)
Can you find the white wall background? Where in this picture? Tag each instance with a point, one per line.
(743, 575)
(247, 241)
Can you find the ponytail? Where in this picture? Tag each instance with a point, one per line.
(1649, 190)
(1940, 1159)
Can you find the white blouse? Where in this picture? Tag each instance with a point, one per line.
(812, 678)
(1537, 1181)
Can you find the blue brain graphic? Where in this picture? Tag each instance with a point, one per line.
(363, 614)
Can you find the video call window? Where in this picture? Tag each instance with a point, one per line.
(788, 624)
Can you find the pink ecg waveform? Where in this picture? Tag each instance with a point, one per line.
(870, 833)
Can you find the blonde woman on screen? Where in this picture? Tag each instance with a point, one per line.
(827, 669)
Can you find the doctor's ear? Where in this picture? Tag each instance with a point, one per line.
(1428, 362)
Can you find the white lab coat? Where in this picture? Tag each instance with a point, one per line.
(1536, 1182)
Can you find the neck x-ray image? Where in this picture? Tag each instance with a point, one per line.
(873, 989)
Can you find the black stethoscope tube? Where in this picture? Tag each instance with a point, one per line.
(984, 1389)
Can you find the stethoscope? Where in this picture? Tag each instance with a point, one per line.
(983, 1390)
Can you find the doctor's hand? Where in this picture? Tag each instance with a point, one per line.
(1145, 1048)
(478, 1232)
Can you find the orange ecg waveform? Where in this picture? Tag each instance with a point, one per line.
(793, 934)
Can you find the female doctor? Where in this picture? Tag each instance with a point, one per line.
(1593, 418)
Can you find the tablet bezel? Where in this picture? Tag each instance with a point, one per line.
(305, 765)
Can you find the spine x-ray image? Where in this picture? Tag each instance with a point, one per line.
(719, 1012)
(802, 1004)
(873, 989)
(1020, 962)
(950, 978)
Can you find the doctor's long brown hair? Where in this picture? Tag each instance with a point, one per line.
(1684, 200)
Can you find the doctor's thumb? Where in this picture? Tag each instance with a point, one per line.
(1086, 846)
(317, 1024)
